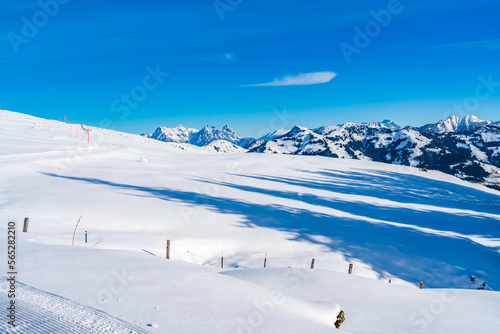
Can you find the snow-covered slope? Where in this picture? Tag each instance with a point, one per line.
(75, 284)
(273, 134)
(174, 297)
(390, 222)
(223, 146)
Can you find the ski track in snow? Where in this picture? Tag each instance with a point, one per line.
(38, 311)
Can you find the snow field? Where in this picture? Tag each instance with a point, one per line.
(391, 222)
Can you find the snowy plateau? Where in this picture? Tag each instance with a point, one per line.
(130, 194)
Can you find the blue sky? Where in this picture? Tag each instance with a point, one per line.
(256, 65)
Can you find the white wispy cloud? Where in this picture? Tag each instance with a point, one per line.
(228, 56)
(301, 79)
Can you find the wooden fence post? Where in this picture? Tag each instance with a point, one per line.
(421, 285)
(265, 260)
(312, 264)
(168, 249)
(222, 259)
(85, 235)
(26, 223)
(350, 269)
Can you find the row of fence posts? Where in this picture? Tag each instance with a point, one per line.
(349, 271)
(76, 132)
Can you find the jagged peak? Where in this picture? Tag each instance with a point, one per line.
(385, 124)
(455, 123)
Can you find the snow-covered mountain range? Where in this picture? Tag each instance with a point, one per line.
(203, 137)
(179, 134)
(464, 146)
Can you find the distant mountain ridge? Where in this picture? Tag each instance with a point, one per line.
(210, 133)
(465, 146)
(455, 124)
(179, 134)
(203, 137)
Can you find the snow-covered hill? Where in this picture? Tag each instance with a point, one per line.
(223, 146)
(391, 222)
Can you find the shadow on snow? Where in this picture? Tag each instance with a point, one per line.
(391, 251)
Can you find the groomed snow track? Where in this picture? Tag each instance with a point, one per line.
(38, 311)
